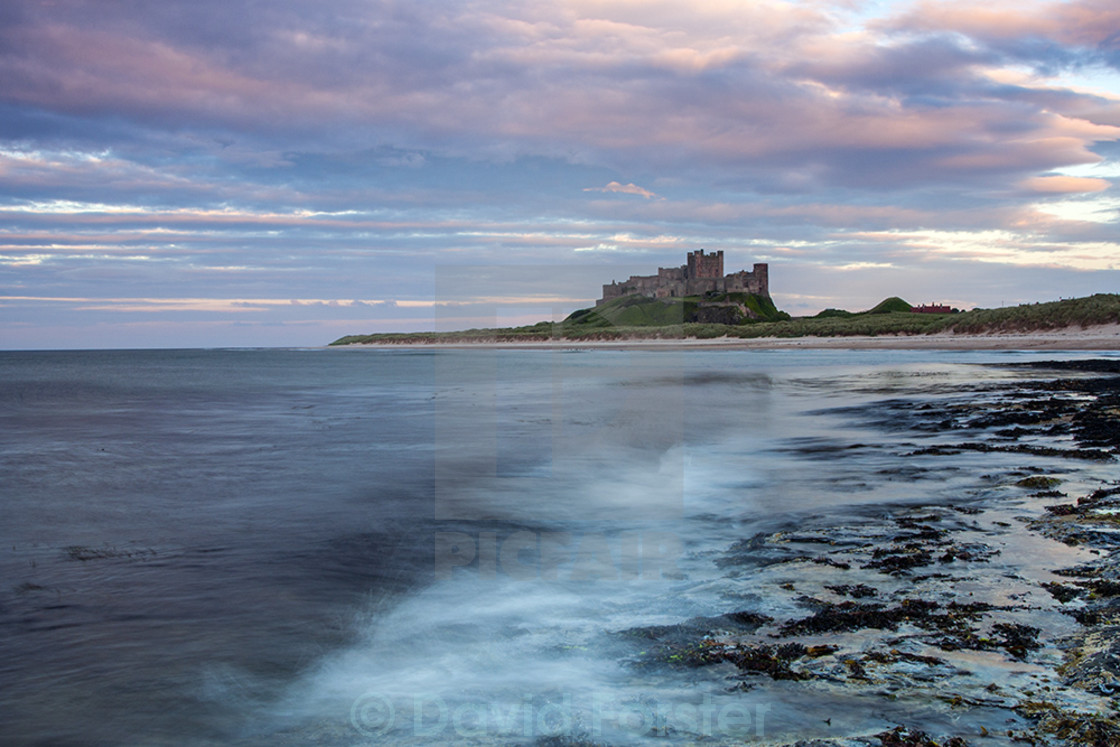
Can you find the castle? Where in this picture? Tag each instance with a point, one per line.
(702, 274)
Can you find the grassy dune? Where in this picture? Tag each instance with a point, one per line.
(638, 311)
(643, 319)
(1103, 308)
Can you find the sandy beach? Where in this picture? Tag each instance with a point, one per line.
(1104, 337)
(1101, 337)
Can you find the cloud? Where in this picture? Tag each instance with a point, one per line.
(215, 305)
(1008, 248)
(756, 90)
(1059, 30)
(296, 149)
(626, 189)
(1056, 184)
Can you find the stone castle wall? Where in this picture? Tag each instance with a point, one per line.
(702, 273)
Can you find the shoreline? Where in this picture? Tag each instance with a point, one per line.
(1096, 338)
(994, 613)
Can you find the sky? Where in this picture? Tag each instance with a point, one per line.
(249, 173)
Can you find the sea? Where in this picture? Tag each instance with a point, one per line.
(411, 545)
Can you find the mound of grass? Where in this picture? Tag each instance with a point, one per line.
(640, 311)
(634, 311)
(891, 305)
(762, 307)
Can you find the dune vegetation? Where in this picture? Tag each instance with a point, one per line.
(636, 317)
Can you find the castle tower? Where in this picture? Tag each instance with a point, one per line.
(702, 265)
(762, 279)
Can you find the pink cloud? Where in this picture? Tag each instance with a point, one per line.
(717, 85)
(1087, 23)
(626, 189)
(1064, 184)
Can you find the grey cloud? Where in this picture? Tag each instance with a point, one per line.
(439, 78)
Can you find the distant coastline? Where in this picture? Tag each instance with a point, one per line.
(1100, 337)
(1090, 323)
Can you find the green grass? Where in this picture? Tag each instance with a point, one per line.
(1102, 308)
(891, 305)
(633, 311)
(863, 325)
(834, 314)
(641, 318)
(762, 306)
(639, 311)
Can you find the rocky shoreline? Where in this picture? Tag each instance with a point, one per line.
(971, 611)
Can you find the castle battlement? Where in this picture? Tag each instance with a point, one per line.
(702, 273)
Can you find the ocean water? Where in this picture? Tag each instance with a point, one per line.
(419, 546)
